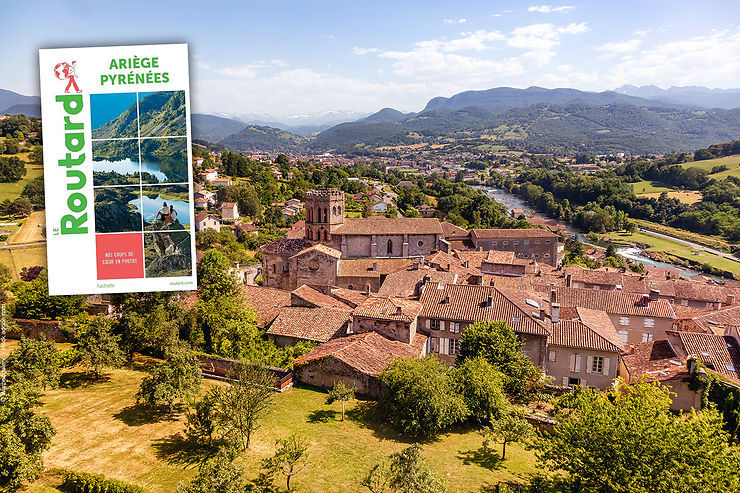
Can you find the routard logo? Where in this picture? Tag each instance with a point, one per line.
(66, 71)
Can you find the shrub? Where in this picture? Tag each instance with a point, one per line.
(82, 482)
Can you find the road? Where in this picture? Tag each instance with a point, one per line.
(22, 245)
(695, 246)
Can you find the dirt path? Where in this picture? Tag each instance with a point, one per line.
(31, 230)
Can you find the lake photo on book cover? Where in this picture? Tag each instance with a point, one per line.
(152, 205)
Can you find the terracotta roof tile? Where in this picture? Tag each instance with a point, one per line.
(512, 233)
(384, 225)
(315, 297)
(720, 353)
(286, 246)
(267, 301)
(467, 303)
(319, 247)
(311, 324)
(449, 230)
(613, 302)
(387, 308)
(369, 352)
(716, 321)
(363, 267)
(348, 296)
(654, 361)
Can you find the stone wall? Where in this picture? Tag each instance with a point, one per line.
(325, 372)
(35, 328)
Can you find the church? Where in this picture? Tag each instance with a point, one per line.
(286, 262)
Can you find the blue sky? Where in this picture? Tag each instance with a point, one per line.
(296, 57)
(106, 107)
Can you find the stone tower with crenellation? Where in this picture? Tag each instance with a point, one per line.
(324, 213)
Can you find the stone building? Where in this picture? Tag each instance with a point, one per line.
(535, 244)
(324, 213)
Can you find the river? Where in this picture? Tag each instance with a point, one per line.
(511, 201)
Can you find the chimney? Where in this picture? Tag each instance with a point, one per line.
(446, 300)
(375, 267)
(654, 293)
(568, 280)
(553, 295)
(555, 312)
(730, 299)
(542, 311)
(398, 310)
(645, 300)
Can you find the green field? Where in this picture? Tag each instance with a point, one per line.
(17, 258)
(678, 249)
(101, 430)
(646, 186)
(732, 162)
(13, 190)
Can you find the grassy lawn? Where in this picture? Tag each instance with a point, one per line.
(678, 249)
(352, 214)
(732, 162)
(19, 257)
(646, 186)
(13, 190)
(101, 430)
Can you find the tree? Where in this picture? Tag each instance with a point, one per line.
(24, 435)
(97, 346)
(36, 362)
(481, 385)
(179, 377)
(628, 440)
(213, 276)
(511, 427)
(218, 474)
(202, 420)
(341, 392)
(33, 300)
(499, 345)
(245, 402)
(421, 398)
(282, 159)
(21, 207)
(290, 458)
(406, 472)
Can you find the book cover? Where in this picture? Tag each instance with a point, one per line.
(117, 168)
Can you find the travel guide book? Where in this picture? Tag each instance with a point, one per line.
(117, 169)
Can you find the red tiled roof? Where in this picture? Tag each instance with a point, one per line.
(384, 225)
(467, 303)
(512, 233)
(286, 246)
(387, 308)
(691, 290)
(267, 301)
(402, 282)
(449, 230)
(593, 331)
(319, 247)
(720, 353)
(348, 296)
(317, 298)
(655, 361)
(369, 352)
(716, 321)
(311, 324)
(363, 267)
(613, 302)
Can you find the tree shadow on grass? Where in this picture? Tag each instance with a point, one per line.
(322, 416)
(140, 414)
(74, 380)
(482, 456)
(179, 450)
(368, 414)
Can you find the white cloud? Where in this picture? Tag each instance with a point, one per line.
(539, 40)
(246, 71)
(546, 9)
(455, 21)
(364, 51)
(708, 60)
(619, 47)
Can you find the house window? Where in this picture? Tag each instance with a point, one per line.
(526, 242)
(506, 243)
(536, 255)
(390, 246)
(572, 382)
(274, 268)
(516, 243)
(647, 336)
(648, 322)
(547, 241)
(455, 327)
(350, 286)
(623, 335)
(536, 242)
(624, 320)
(684, 302)
(454, 346)
(547, 255)
(434, 324)
(421, 243)
(597, 366)
(334, 210)
(551, 356)
(515, 320)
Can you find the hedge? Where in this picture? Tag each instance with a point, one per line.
(82, 482)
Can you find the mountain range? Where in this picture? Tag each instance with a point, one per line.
(688, 95)
(12, 103)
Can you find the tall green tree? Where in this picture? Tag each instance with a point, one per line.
(509, 428)
(35, 361)
(178, 378)
(218, 474)
(33, 300)
(97, 346)
(499, 345)
(420, 397)
(405, 472)
(24, 435)
(628, 441)
(481, 386)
